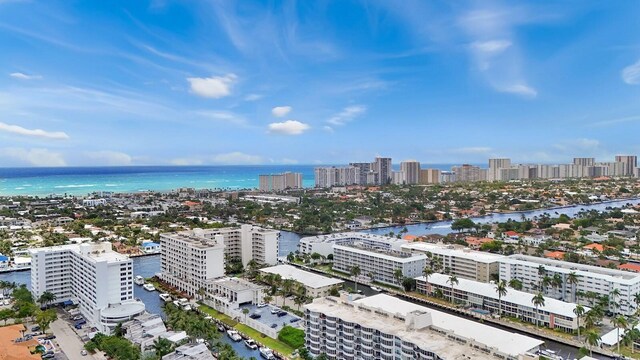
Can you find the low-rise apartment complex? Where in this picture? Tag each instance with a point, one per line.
(555, 314)
(91, 275)
(323, 244)
(378, 264)
(464, 263)
(227, 294)
(531, 271)
(315, 284)
(385, 327)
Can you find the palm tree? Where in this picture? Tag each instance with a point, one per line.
(427, 272)
(47, 297)
(286, 289)
(267, 299)
(593, 339)
(162, 347)
(453, 280)
(620, 322)
(515, 284)
(398, 275)
(579, 311)
(355, 272)
(245, 311)
(538, 301)
(613, 295)
(573, 279)
(501, 289)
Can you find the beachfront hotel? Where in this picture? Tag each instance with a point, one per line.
(531, 271)
(385, 327)
(378, 264)
(323, 244)
(91, 275)
(555, 314)
(464, 263)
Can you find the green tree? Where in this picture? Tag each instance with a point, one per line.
(592, 339)
(573, 279)
(6, 314)
(538, 301)
(620, 322)
(427, 272)
(245, 311)
(501, 289)
(398, 275)
(515, 284)
(45, 318)
(579, 311)
(162, 347)
(355, 272)
(46, 298)
(462, 224)
(453, 280)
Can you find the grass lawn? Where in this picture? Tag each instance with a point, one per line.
(254, 334)
(269, 342)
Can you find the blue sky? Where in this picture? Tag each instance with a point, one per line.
(262, 82)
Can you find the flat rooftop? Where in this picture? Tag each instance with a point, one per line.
(478, 256)
(193, 240)
(235, 284)
(589, 271)
(350, 236)
(369, 311)
(382, 253)
(306, 278)
(520, 298)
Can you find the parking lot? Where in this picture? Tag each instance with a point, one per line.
(267, 318)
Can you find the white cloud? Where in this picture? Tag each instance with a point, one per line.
(19, 130)
(185, 162)
(519, 89)
(34, 157)
(349, 113)
(289, 127)
(253, 97)
(236, 158)
(214, 87)
(491, 46)
(222, 116)
(110, 158)
(280, 111)
(327, 128)
(631, 74)
(23, 76)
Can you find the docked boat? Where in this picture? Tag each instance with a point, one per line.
(376, 289)
(165, 297)
(234, 335)
(266, 353)
(550, 354)
(221, 328)
(139, 280)
(250, 344)
(149, 287)
(186, 307)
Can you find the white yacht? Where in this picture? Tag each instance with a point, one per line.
(376, 289)
(266, 353)
(165, 297)
(149, 287)
(139, 280)
(234, 335)
(250, 344)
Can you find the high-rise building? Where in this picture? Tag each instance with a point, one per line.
(429, 176)
(630, 162)
(411, 170)
(363, 171)
(280, 182)
(382, 166)
(584, 161)
(398, 178)
(91, 275)
(326, 177)
(466, 173)
(494, 168)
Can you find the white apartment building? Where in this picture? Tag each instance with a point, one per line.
(92, 275)
(94, 202)
(411, 171)
(467, 173)
(315, 284)
(377, 264)
(462, 262)
(323, 244)
(188, 260)
(494, 168)
(554, 314)
(531, 270)
(227, 294)
(385, 327)
(280, 182)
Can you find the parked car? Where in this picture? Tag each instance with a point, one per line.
(275, 310)
(255, 316)
(49, 337)
(48, 356)
(261, 305)
(35, 328)
(282, 313)
(77, 317)
(78, 326)
(294, 320)
(83, 352)
(273, 326)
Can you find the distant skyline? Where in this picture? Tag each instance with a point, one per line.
(254, 82)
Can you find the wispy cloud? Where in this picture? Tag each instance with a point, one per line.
(280, 111)
(222, 116)
(289, 127)
(615, 121)
(631, 74)
(347, 115)
(32, 157)
(214, 87)
(39, 133)
(23, 76)
(253, 97)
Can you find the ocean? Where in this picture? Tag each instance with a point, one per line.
(40, 181)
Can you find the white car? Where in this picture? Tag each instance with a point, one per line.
(261, 305)
(275, 310)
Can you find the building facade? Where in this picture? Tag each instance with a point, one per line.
(429, 176)
(316, 285)
(323, 244)
(411, 171)
(280, 182)
(385, 327)
(91, 275)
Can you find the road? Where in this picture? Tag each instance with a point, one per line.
(69, 341)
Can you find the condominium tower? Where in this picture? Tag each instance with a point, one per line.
(280, 182)
(91, 275)
(411, 171)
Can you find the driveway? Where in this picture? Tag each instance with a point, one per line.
(69, 341)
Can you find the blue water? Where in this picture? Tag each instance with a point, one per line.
(84, 180)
